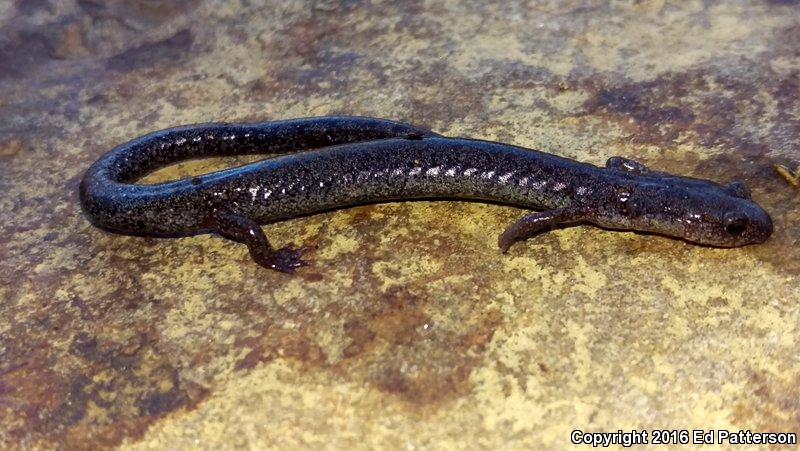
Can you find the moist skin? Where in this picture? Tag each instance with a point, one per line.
(326, 163)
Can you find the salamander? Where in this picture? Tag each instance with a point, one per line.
(324, 163)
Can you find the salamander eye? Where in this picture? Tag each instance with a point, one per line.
(735, 225)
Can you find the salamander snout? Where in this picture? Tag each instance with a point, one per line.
(747, 226)
(724, 221)
(696, 210)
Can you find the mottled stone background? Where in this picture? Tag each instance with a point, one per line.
(410, 329)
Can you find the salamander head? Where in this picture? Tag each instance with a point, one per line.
(696, 210)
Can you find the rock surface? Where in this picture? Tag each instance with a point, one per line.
(410, 329)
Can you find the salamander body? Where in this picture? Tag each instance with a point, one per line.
(325, 163)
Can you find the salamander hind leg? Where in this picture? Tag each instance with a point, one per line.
(539, 222)
(245, 230)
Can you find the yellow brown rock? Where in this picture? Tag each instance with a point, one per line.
(410, 328)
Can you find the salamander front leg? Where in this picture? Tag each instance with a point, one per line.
(245, 230)
(626, 165)
(539, 222)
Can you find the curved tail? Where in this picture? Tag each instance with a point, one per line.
(107, 191)
(137, 157)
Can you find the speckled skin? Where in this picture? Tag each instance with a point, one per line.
(368, 160)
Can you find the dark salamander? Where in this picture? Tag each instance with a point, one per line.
(344, 161)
